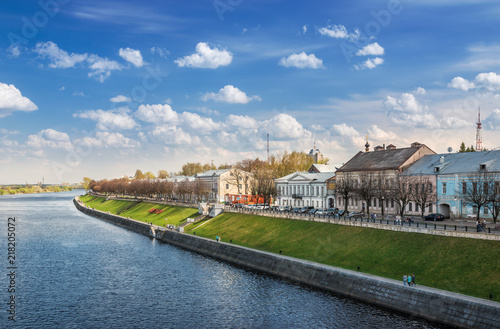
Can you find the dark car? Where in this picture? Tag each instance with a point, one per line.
(312, 211)
(434, 217)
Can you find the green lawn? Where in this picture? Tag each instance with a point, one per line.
(466, 266)
(140, 210)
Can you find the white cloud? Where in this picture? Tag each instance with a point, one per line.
(131, 55)
(102, 67)
(492, 121)
(198, 123)
(489, 81)
(12, 100)
(120, 99)
(242, 121)
(15, 50)
(230, 94)
(79, 93)
(381, 135)
(405, 110)
(372, 49)
(369, 63)
(302, 61)
(58, 57)
(117, 119)
(344, 130)
(50, 138)
(461, 83)
(108, 139)
(335, 31)
(304, 29)
(174, 136)
(158, 113)
(420, 91)
(206, 57)
(284, 126)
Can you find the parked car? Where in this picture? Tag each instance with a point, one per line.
(312, 211)
(330, 212)
(287, 208)
(304, 209)
(320, 212)
(434, 217)
(296, 209)
(355, 214)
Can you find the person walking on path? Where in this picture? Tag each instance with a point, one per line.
(217, 238)
(413, 279)
(409, 280)
(404, 279)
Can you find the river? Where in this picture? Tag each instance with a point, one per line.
(76, 271)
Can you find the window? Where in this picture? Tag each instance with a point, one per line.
(485, 210)
(474, 210)
(430, 207)
(239, 186)
(474, 188)
(416, 206)
(464, 187)
(444, 188)
(375, 203)
(430, 187)
(497, 187)
(485, 188)
(387, 203)
(392, 203)
(423, 188)
(410, 206)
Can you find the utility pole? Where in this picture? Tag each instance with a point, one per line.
(268, 148)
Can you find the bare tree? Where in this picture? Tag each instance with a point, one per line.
(239, 179)
(475, 190)
(345, 185)
(366, 188)
(423, 192)
(400, 193)
(263, 185)
(494, 204)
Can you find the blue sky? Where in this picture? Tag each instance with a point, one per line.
(102, 88)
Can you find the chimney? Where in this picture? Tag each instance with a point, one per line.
(415, 145)
(441, 159)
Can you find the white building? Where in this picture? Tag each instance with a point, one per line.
(306, 189)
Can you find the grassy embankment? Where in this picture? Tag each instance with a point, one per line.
(140, 210)
(466, 266)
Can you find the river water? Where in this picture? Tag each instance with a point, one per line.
(76, 271)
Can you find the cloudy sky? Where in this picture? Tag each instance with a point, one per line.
(101, 88)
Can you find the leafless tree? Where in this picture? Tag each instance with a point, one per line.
(400, 193)
(239, 179)
(366, 188)
(423, 192)
(345, 186)
(476, 189)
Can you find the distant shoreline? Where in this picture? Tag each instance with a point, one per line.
(17, 189)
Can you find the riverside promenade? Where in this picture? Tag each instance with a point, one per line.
(420, 301)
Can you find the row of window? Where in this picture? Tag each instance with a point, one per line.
(377, 203)
(305, 190)
(301, 203)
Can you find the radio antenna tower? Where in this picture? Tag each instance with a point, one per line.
(479, 139)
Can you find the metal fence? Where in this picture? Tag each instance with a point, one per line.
(404, 223)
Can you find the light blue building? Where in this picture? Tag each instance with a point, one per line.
(450, 172)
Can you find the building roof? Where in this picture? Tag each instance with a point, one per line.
(306, 176)
(380, 160)
(212, 173)
(319, 168)
(455, 163)
(178, 179)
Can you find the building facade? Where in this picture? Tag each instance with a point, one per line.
(460, 176)
(222, 182)
(306, 189)
(381, 167)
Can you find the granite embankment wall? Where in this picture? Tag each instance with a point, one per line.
(428, 303)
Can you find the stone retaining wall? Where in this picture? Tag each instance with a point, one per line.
(428, 303)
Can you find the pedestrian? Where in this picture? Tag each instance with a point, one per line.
(409, 280)
(405, 278)
(217, 238)
(374, 216)
(413, 279)
(477, 226)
